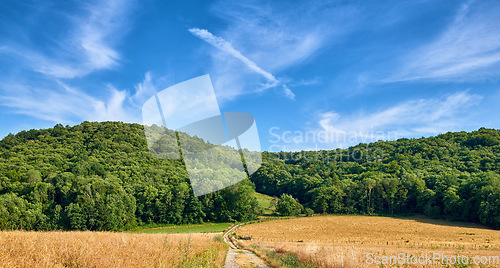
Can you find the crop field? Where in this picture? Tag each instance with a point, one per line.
(106, 249)
(345, 241)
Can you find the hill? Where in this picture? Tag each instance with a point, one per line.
(101, 176)
(453, 175)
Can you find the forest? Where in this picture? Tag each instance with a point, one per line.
(454, 176)
(101, 176)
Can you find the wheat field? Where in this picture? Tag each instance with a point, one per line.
(345, 241)
(107, 249)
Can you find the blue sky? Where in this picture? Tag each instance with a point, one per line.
(314, 74)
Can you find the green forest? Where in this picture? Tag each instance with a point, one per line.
(454, 176)
(101, 176)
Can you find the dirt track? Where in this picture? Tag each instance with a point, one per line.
(237, 258)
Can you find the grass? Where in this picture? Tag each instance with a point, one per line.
(277, 258)
(107, 249)
(188, 228)
(266, 204)
(345, 241)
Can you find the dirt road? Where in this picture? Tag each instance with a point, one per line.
(240, 258)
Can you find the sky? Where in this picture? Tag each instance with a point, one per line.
(314, 74)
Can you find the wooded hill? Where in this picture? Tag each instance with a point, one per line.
(101, 176)
(453, 175)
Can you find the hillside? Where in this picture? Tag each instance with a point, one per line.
(101, 176)
(453, 175)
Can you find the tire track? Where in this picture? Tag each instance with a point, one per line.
(239, 258)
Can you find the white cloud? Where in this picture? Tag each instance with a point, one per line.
(288, 93)
(114, 109)
(65, 104)
(279, 35)
(275, 36)
(87, 48)
(144, 90)
(468, 49)
(227, 47)
(306, 82)
(95, 34)
(409, 119)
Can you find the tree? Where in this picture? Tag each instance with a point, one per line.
(327, 199)
(15, 213)
(288, 206)
(369, 184)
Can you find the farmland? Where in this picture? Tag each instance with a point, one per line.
(344, 241)
(106, 249)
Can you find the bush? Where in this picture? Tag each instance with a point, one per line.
(288, 206)
(309, 212)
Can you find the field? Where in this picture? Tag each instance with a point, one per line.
(189, 228)
(345, 241)
(106, 249)
(265, 203)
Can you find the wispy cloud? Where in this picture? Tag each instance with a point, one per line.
(228, 48)
(306, 82)
(61, 103)
(469, 49)
(144, 90)
(270, 38)
(409, 119)
(114, 108)
(288, 93)
(88, 47)
(97, 33)
(279, 35)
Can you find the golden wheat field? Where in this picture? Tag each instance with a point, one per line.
(345, 241)
(106, 249)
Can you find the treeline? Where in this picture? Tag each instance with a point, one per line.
(454, 175)
(101, 176)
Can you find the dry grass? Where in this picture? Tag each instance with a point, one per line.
(106, 249)
(344, 241)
